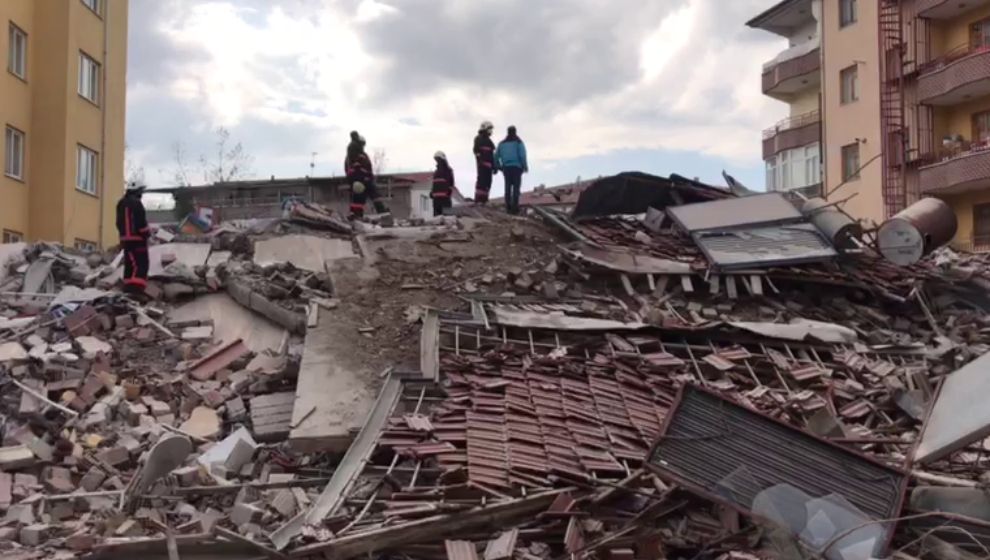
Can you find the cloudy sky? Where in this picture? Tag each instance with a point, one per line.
(594, 86)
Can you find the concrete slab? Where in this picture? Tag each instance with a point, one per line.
(307, 252)
(332, 399)
(960, 415)
(231, 321)
(189, 254)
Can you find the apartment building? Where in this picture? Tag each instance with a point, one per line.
(942, 82)
(904, 105)
(792, 147)
(62, 105)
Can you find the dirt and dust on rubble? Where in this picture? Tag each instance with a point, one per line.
(189, 396)
(485, 385)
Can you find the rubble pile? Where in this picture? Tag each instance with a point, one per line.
(547, 387)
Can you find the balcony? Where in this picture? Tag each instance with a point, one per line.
(792, 132)
(959, 75)
(947, 9)
(959, 170)
(785, 77)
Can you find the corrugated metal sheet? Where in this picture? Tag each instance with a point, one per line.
(769, 208)
(730, 454)
(764, 245)
(955, 530)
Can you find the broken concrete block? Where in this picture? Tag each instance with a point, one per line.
(21, 514)
(198, 333)
(124, 321)
(284, 502)
(8, 534)
(232, 453)
(132, 412)
(57, 479)
(114, 456)
(6, 490)
(16, 457)
(158, 408)
(93, 479)
(240, 381)
(187, 476)
(91, 346)
(12, 352)
(244, 513)
(98, 416)
(34, 535)
(24, 485)
(61, 347)
(203, 423)
(236, 411)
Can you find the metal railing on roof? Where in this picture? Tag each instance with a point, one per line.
(957, 53)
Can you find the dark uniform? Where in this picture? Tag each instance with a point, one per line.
(443, 187)
(357, 165)
(132, 225)
(484, 155)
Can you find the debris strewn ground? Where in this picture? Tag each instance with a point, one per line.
(489, 386)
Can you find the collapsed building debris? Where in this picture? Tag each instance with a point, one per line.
(523, 374)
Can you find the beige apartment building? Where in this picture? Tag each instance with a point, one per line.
(62, 111)
(904, 105)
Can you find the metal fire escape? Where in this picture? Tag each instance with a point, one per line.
(893, 133)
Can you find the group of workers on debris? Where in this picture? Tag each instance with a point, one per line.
(509, 157)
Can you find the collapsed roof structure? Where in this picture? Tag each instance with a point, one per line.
(594, 385)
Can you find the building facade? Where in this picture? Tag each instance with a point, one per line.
(62, 107)
(904, 105)
(792, 147)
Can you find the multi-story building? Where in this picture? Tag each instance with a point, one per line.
(792, 147)
(904, 108)
(62, 104)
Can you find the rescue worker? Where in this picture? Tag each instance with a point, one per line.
(510, 159)
(443, 184)
(132, 225)
(484, 155)
(361, 177)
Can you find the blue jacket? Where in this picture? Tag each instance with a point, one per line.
(511, 153)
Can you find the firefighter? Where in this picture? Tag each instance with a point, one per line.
(132, 225)
(484, 155)
(443, 184)
(361, 177)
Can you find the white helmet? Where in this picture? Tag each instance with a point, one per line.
(440, 155)
(133, 186)
(486, 126)
(358, 187)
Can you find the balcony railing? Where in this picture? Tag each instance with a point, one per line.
(791, 68)
(961, 66)
(792, 122)
(965, 165)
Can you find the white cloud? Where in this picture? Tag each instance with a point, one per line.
(307, 65)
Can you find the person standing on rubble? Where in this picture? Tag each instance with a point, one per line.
(132, 225)
(484, 155)
(361, 177)
(510, 158)
(443, 184)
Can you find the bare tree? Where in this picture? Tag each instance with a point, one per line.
(379, 161)
(231, 162)
(180, 166)
(133, 173)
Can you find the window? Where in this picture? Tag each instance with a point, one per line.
(850, 162)
(12, 236)
(979, 34)
(17, 53)
(13, 165)
(93, 5)
(847, 12)
(981, 127)
(849, 79)
(981, 226)
(86, 166)
(772, 174)
(794, 169)
(89, 78)
(812, 170)
(425, 205)
(85, 246)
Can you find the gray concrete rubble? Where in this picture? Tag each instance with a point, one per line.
(489, 386)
